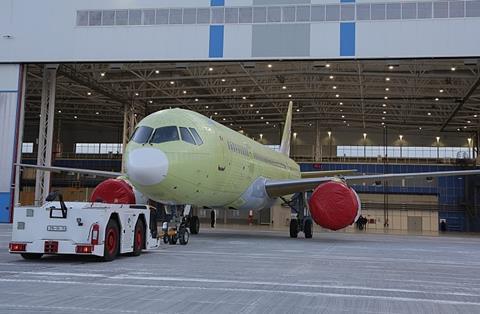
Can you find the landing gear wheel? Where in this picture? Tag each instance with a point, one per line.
(139, 238)
(165, 239)
(32, 256)
(293, 228)
(112, 241)
(172, 240)
(194, 225)
(183, 236)
(307, 229)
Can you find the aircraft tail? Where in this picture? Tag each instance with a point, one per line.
(287, 132)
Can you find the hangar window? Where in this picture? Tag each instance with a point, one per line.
(108, 18)
(94, 18)
(378, 11)
(218, 15)
(473, 9)
(409, 11)
(288, 14)
(363, 12)
(259, 15)
(348, 12)
(148, 17)
(394, 11)
(274, 14)
(175, 16)
(245, 15)
(440, 9)
(162, 16)
(303, 13)
(165, 134)
(457, 9)
(121, 17)
(135, 17)
(87, 148)
(318, 13)
(424, 10)
(231, 15)
(189, 16)
(27, 148)
(111, 148)
(142, 134)
(197, 137)
(203, 16)
(186, 136)
(333, 12)
(82, 18)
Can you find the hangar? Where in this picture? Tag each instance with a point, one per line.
(397, 98)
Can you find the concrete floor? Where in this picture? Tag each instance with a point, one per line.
(251, 271)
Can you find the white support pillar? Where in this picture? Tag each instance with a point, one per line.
(130, 119)
(45, 133)
(318, 142)
(10, 102)
(21, 120)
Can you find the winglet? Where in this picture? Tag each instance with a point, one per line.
(287, 132)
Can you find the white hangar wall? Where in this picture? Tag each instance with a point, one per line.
(112, 30)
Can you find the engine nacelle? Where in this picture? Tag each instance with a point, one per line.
(117, 191)
(334, 205)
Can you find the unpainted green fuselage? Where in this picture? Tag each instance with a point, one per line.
(216, 173)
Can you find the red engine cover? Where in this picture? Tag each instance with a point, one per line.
(333, 205)
(113, 191)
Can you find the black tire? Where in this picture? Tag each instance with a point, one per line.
(293, 228)
(307, 229)
(165, 239)
(184, 236)
(138, 238)
(112, 241)
(172, 240)
(194, 225)
(32, 256)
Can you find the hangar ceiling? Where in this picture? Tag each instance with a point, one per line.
(432, 94)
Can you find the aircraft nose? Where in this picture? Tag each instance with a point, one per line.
(147, 166)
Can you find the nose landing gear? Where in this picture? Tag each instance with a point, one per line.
(300, 220)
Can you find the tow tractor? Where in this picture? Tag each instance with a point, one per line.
(97, 229)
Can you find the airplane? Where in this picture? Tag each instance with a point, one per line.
(179, 157)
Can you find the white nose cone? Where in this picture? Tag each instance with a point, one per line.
(147, 166)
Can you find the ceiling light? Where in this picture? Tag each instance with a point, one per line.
(383, 118)
(206, 107)
(267, 122)
(337, 95)
(384, 112)
(334, 87)
(458, 129)
(150, 101)
(344, 121)
(465, 127)
(269, 65)
(216, 113)
(429, 113)
(136, 94)
(210, 69)
(343, 116)
(196, 99)
(234, 89)
(390, 67)
(387, 79)
(436, 99)
(224, 119)
(298, 109)
(89, 93)
(258, 111)
(475, 115)
(184, 92)
(97, 113)
(102, 74)
(441, 91)
(420, 128)
(341, 110)
(59, 111)
(383, 123)
(244, 97)
(223, 80)
(331, 77)
(453, 68)
(386, 97)
(75, 117)
(251, 105)
(157, 71)
(284, 87)
(172, 82)
(261, 118)
(341, 103)
(327, 65)
(387, 89)
(231, 124)
(469, 121)
(289, 95)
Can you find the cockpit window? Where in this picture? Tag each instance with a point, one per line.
(142, 134)
(186, 136)
(197, 137)
(165, 134)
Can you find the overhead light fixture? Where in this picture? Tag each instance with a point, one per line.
(97, 113)
(384, 105)
(441, 91)
(89, 93)
(59, 111)
(206, 107)
(172, 82)
(269, 65)
(331, 77)
(196, 99)
(475, 115)
(383, 123)
(224, 119)
(267, 122)
(387, 89)
(343, 116)
(210, 69)
(284, 87)
(327, 65)
(341, 103)
(384, 112)
(383, 118)
(261, 118)
(390, 67)
(75, 117)
(420, 128)
(334, 87)
(289, 95)
(157, 71)
(137, 94)
(298, 109)
(223, 80)
(244, 97)
(295, 134)
(387, 79)
(234, 89)
(102, 74)
(437, 99)
(251, 105)
(453, 68)
(469, 121)
(216, 113)
(337, 95)
(184, 92)
(329, 133)
(429, 113)
(258, 111)
(386, 97)
(438, 138)
(400, 137)
(364, 136)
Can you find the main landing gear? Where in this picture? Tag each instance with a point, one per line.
(179, 224)
(300, 221)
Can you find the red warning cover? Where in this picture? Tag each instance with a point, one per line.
(333, 205)
(113, 191)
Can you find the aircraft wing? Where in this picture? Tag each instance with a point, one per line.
(326, 173)
(276, 188)
(106, 174)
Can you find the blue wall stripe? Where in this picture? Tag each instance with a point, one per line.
(347, 39)
(216, 41)
(347, 1)
(4, 207)
(217, 3)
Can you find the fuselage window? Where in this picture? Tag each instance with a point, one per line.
(186, 136)
(197, 137)
(142, 134)
(165, 134)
